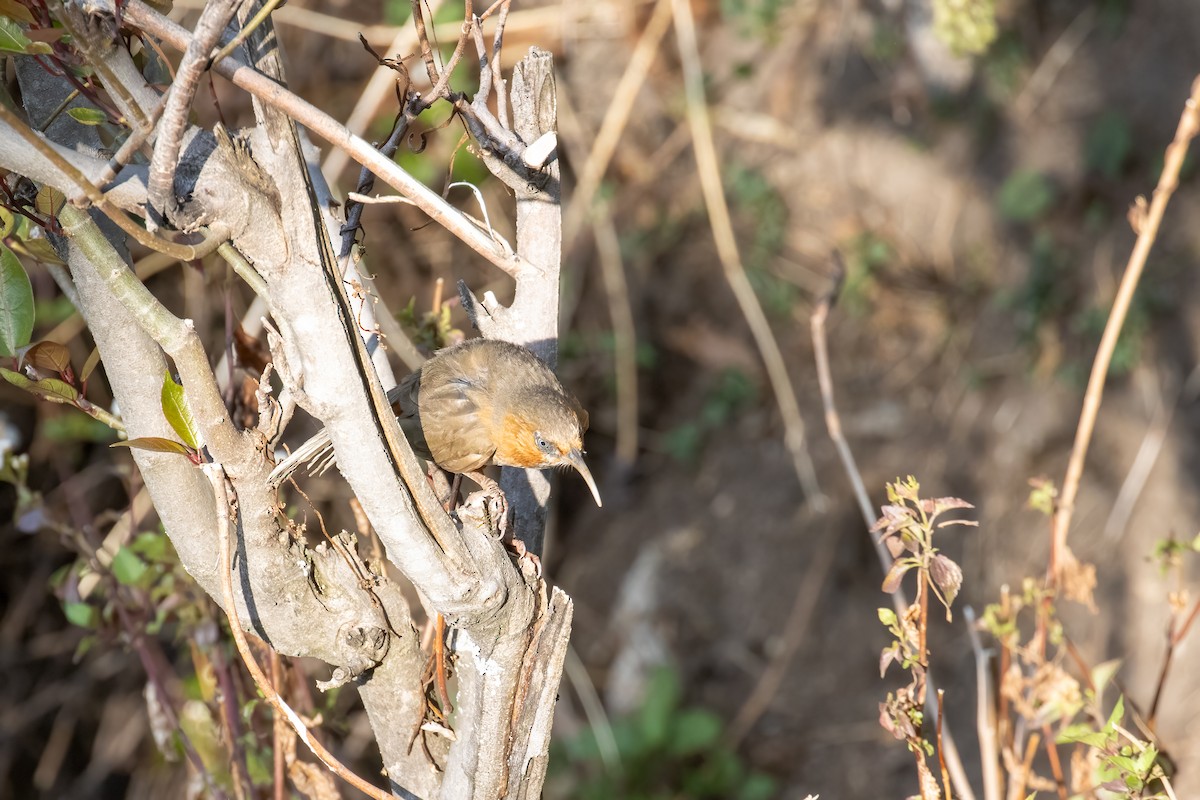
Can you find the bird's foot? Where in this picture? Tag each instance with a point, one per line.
(495, 503)
(529, 564)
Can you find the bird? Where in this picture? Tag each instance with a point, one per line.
(479, 403)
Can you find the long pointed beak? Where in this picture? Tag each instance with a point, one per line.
(576, 459)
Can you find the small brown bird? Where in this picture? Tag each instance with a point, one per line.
(484, 402)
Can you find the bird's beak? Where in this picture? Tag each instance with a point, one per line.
(576, 460)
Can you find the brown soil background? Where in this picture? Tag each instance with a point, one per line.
(941, 366)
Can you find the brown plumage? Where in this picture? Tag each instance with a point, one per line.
(485, 402)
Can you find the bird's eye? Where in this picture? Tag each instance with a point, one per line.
(541, 442)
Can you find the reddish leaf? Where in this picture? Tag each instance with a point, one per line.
(155, 444)
(49, 357)
(251, 353)
(892, 581)
(947, 576)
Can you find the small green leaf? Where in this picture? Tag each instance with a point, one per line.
(154, 547)
(175, 409)
(1102, 674)
(80, 614)
(1108, 144)
(14, 40)
(887, 616)
(757, 786)
(51, 389)
(127, 567)
(90, 364)
(8, 222)
(87, 116)
(658, 706)
(1025, 196)
(154, 444)
(694, 731)
(1118, 712)
(16, 303)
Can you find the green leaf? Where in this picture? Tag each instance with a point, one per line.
(90, 364)
(662, 698)
(16, 303)
(80, 614)
(154, 444)
(128, 568)
(175, 409)
(1025, 196)
(51, 389)
(1108, 145)
(87, 116)
(887, 616)
(757, 786)
(1118, 712)
(694, 731)
(14, 40)
(154, 547)
(1102, 674)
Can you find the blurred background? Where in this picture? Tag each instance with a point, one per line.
(975, 176)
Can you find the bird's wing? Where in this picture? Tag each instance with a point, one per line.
(455, 417)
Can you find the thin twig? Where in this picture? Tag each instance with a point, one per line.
(620, 108)
(160, 194)
(321, 124)
(1175, 634)
(183, 252)
(727, 250)
(616, 290)
(941, 716)
(985, 719)
(497, 45)
(1147, 225)
(259, 17)
(216, 476)
(958, 773)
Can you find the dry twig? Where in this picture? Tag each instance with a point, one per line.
(731, 261)
(1146, 223)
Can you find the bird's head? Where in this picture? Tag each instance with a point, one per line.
(543, 431)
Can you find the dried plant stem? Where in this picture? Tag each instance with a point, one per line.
(1175, 635)
(616, 290)
(941, 716)
(949, 749)
(616, 117)
(1146, 224)
(731, 261)
(985, 713)
(216, 477)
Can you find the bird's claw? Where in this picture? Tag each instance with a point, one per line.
(529, 564)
